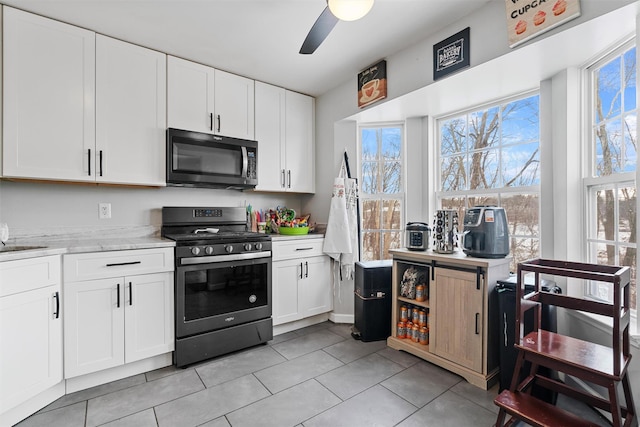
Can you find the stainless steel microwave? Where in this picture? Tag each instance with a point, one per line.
(196, 159)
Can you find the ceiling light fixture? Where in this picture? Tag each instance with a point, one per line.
(350, 10)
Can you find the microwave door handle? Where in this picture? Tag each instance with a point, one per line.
(245, 161)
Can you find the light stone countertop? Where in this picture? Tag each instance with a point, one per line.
(282, 237)
(97, 241)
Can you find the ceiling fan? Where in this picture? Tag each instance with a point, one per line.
(336, 10)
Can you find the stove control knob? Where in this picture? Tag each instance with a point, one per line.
(228, 248)
(195, 250)
(209, 250)
(258, 246)
(247, 246)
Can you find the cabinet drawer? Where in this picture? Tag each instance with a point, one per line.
(291, 249)
(99, 265)
(28, 274)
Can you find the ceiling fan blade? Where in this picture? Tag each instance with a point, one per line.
(320, 30)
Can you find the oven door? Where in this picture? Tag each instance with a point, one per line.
(216, 295)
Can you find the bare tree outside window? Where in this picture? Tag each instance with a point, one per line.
(381, 191)
(612, 236)
(491, 157)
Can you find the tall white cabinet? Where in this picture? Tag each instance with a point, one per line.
(80, 106)
(30, 334)
(285, 134)
(204, 99)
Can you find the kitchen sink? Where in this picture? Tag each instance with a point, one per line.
(19, 248)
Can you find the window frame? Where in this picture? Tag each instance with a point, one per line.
(401, 195)
(591, 183)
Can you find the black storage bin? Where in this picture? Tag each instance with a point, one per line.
(372, 300)
(508, 354)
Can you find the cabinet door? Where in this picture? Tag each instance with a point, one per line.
(49, 89)
(457, 318)
(270, 122)
(130, 113)
(234, 106)
(31, 337)
(286, 275)
(314, 290)
(190, 95)
(299, 135)
(148, 316)
(93, 326)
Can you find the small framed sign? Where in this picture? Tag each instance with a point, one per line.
(451, 54)
(372, 84)
(530, 19)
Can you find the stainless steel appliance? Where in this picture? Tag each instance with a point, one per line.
(372, 308)
(445, 231)
(417, 236)
(222, 282)
(197, 159)
(486, 232)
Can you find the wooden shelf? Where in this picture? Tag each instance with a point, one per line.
(423, 304)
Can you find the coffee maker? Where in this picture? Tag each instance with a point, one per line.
(486, 232)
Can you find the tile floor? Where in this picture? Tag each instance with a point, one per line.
(313, 377)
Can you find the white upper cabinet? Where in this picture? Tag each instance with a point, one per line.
(49, 88)
(285, 134)
(131, 107)
(80, 107)
(204, 99)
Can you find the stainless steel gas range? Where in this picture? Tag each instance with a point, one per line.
(222, 282)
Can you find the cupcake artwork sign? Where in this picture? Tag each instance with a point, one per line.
(529, 18)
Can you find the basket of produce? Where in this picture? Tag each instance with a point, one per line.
(285, 221)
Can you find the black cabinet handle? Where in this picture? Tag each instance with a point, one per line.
(477, 318)
(284, 181)
(89, 158)
(219, 122)
(130, 294)
(118, 300)
(211, 121)
(124, 263)
(289, 178)
(303, 249)
(301, 270)
(100, 155)
(306, 265)
(57, 312)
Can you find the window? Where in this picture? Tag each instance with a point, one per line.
(491, 156)
(610, 186)
(381, 190)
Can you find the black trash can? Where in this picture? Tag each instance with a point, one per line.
(372, 300)
(508, 354)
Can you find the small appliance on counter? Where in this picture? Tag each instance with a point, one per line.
(417, 236)
(445, 229)
(486, 232)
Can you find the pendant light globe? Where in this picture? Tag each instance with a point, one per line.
(350, 10)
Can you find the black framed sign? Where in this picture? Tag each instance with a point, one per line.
(451, 54)
(372, 84)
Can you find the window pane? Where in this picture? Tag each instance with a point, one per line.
(457, 204)
(630, 80)
(607, 90)
(390, 240)
(608, 148)
(520, 121)
(606, 254)
(453, 173)
(391, 215)
(453, 136)
(369, 178)
(483, 170)
(391, 177)
(370, 246)
(523, 249)
(371, 210)
(628, 258)
(605, 211)
(521, 165)
(627, 210)
(391, 143)
(369, 141)
(522, 214)
(483, 129)
(630, 149)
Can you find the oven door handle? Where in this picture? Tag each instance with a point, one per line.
(223, 258)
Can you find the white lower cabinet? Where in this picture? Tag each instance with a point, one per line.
(116, 320)
(30, 331)
(301, 280)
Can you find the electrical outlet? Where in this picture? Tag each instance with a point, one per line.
(104, 210)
